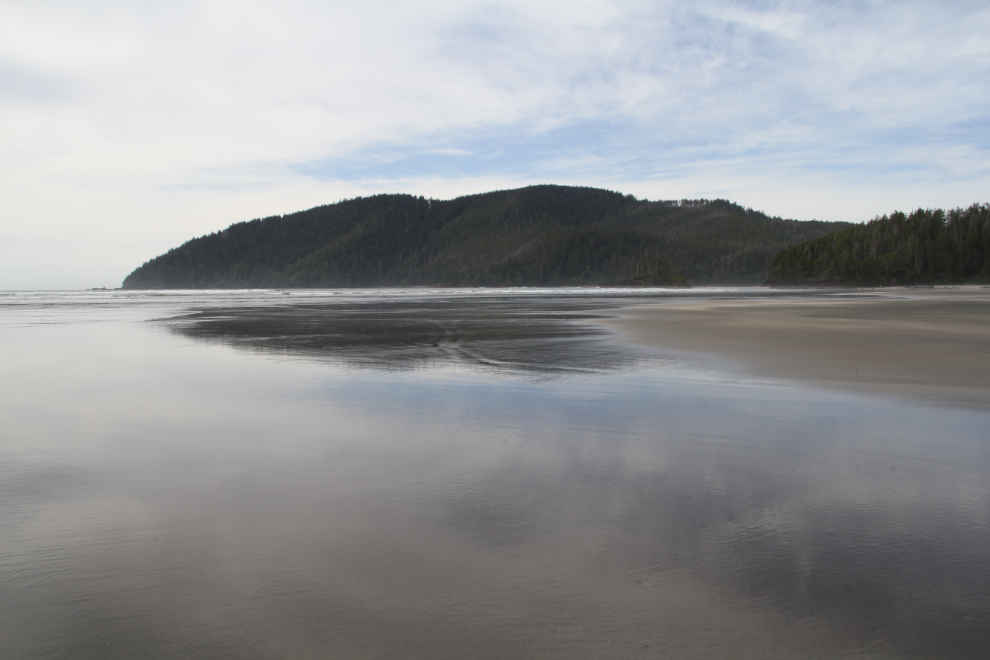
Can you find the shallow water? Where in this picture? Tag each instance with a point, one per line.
(440, 474)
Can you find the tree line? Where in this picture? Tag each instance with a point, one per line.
(926, 247)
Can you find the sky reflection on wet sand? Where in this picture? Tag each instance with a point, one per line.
(246, 484)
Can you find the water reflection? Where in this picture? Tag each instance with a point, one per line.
(533, 334)
(173, 498)
(525, 336)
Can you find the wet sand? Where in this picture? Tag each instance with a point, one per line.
(928, 344)
(467, 477)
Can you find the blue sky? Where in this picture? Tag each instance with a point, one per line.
(128, 127)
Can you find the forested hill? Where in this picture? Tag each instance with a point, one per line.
(540, 235)
(926, 247)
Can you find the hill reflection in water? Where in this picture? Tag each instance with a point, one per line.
(519, 335)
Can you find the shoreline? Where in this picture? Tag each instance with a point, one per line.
(931, 345)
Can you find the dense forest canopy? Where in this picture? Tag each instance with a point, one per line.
(536, 236)
(925, 247)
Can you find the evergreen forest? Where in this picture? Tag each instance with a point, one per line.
(536, 236)
(925, 247)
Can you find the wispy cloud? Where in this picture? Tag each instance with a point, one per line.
(128, 127)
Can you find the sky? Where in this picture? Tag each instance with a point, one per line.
(127, 128)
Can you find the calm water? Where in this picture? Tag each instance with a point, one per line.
(460, 475)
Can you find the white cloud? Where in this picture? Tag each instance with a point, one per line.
(127, 128)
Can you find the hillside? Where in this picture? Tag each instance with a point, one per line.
(540, 235)
(926, 247)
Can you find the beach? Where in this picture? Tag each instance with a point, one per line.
(473, 475)
(930, 344)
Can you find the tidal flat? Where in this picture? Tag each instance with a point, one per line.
(493, 474)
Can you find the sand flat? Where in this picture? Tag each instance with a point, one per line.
(929, 344)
